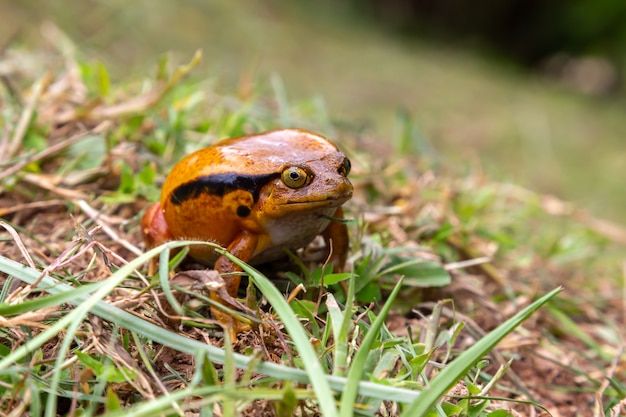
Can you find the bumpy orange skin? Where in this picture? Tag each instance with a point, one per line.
(239, 194)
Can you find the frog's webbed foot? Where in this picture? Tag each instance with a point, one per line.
(230, 323)
(211, 281)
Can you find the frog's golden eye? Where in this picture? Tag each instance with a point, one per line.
(345, 168)
(295, 177)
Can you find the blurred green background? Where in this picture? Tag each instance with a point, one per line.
(527, 92)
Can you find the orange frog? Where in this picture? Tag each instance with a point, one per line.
(256, 196)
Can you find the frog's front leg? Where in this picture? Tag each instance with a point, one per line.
(242, 247)
(336, 235)
(155, 231)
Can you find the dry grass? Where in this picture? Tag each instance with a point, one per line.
(81, 159)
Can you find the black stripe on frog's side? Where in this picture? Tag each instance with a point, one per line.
(220, 184)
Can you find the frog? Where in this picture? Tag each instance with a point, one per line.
(258, 196)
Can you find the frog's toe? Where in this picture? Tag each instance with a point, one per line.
(229, 323)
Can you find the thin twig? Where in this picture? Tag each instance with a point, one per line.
(470, 253)
(467, 263)
(47, 183)
(95, 216)
(4, 211)
(27, 115)
(19, 243)
(4, 140)
(606, 382)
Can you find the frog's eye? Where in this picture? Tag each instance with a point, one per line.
(295, 177)
(345, 168)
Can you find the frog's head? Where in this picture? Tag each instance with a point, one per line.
(308, 185)
(314, 175)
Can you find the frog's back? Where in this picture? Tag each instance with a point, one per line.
(250, 159)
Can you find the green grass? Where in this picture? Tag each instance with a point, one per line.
(88, 300)
(441, 314)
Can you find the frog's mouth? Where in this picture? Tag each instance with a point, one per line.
(332, 200)
(312, 198)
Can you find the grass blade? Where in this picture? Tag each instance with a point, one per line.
(348, 397)
(311, 362)
(453, 372)
(48, 301)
